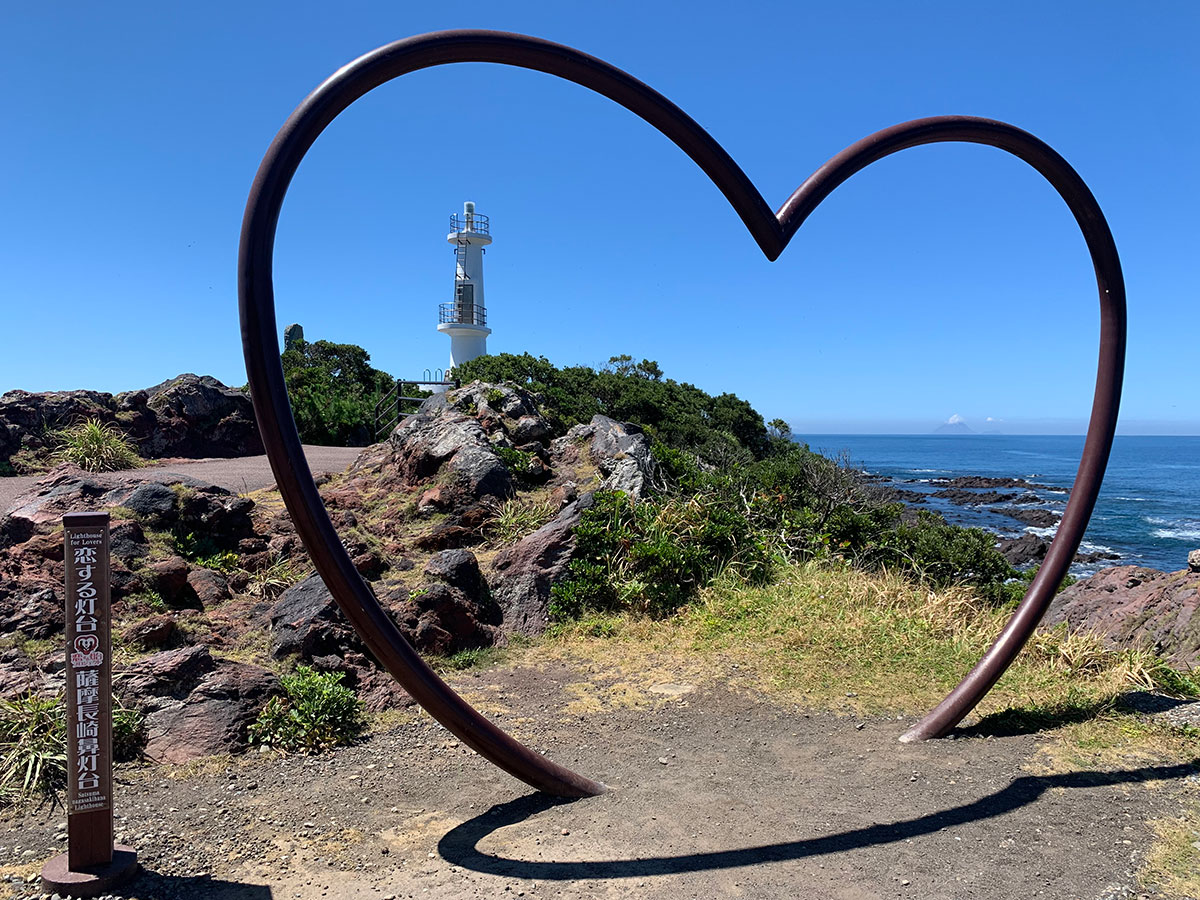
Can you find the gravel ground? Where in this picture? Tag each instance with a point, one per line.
(241, 474)
(715, 794)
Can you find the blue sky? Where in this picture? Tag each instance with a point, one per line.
(945, 281)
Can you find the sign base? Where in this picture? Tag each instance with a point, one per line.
(96, 880)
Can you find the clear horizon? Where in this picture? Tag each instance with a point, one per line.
(944, 281)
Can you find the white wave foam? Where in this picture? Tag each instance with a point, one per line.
(1134, 499)
(1043, 532)
(1177, 534)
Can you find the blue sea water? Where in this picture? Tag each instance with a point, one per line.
(1149, 507)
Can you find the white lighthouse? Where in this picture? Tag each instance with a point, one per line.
(465, 317)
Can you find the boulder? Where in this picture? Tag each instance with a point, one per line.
(454, 611)
(169, 673)
(306, 621)
(1020, 551)
(452, 448)
(197, 416)
(209, 587)
(153, 502)
(214, 716)
(154, 632)
(619, 450)
(1132, 605)
(31, 611)
(523, 574)
(127, 542)
(170, 579)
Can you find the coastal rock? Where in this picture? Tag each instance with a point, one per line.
(214, 716)
(964, 497)
(1023, 550)
(619, 450)
(1194, 561)
(1135, 606)
(990, 483)
(523, 574)
(1037, 518)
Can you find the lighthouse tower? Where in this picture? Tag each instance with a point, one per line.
(465, 317)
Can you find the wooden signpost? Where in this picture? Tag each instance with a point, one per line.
(92, 864)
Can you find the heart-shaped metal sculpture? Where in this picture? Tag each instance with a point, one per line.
(773, 231)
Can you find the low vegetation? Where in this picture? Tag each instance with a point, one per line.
(33, 749)
(317, 712)
(97, 447)
(333, 389)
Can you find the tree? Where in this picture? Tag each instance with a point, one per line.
(333, 389)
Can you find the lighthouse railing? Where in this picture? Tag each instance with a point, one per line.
(458, 312)
(475, 222)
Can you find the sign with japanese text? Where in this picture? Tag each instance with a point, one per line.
(89, 690)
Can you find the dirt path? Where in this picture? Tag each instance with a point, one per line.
(242, 474)
(715, 794)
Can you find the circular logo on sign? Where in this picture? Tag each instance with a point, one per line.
(86, 643)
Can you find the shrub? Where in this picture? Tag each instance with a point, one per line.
(719, 429)
(316, 713)
(516, 518)
(944, 554)
(333, 389)
(652, 557)
(33, 749)
(97, 447)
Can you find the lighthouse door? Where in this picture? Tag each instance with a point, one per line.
(466, 304)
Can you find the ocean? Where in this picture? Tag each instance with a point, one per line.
(1148, 513)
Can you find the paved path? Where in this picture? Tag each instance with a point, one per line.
(243, 474)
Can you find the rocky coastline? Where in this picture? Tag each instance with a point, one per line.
(1128, 605)
(212, 592)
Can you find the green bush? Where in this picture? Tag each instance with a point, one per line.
(333, 390)
(944, 554)
(721, 429)
(33, 744)
(97, 447)
(652, 556)
(316, 713)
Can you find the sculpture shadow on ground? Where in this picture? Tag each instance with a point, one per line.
(152, 884)
(460, 845)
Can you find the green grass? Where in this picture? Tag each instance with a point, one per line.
(97, 447)
(820, 632)
(517, 518)
(33, 756)
(317, 713)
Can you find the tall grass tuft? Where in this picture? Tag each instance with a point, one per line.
(97, 447)
(33, 744)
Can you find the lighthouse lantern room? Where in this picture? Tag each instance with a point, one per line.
(465, 317)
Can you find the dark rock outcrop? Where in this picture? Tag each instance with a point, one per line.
(1132, 605)
(453, 611)
(1023, 550)
(306, 622)
(190, 416)
(523, 574)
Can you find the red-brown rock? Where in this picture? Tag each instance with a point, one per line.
(152, 633)
(1135, 606)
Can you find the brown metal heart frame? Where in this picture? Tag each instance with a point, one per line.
(771, 230)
